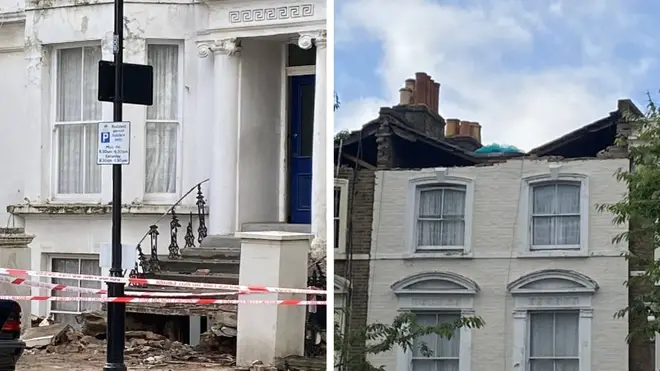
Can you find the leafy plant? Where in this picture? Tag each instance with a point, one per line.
(377, 338)
(639, 210)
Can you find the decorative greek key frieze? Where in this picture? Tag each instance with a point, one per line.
(271, 14)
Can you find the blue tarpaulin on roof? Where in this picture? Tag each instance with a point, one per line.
(498, 148)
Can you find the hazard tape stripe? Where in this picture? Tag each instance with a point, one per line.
(150, 281)
(161, 300)
(85, 290)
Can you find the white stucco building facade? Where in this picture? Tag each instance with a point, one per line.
(546, 282)
(240, 98)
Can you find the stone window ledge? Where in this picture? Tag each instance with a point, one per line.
(96, 209)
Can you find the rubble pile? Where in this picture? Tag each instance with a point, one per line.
(142, 347)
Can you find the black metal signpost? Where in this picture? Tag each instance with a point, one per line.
(112, 89)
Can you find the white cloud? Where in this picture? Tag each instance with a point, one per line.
(469, 50)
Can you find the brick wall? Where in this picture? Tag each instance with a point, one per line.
(360, 212)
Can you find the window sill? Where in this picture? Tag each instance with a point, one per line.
(95, 209)
(344, 256)
(438, 254)
(553, 254)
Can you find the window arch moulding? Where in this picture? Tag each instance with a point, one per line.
(437, 292)
(438, 178)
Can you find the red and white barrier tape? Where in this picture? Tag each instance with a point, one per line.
(160, 300)
(85, 290)
(150, 281)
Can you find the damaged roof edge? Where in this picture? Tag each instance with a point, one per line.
(623, 105)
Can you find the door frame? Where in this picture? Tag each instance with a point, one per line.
(283, 171)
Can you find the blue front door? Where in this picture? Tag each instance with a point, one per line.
(301, 128)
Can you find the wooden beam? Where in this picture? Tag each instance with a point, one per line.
(362, 163)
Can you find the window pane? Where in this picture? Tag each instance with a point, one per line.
(447, 365)
(568, 199)
(542, 230)
(90, 267)
(337, 201)
(423, 365)
(165, 62)
(453, 204)
(430, 203)
(92, 169)
(70, 158)
(567, 365)
(541, 335)
(69, 84)
(567, 230)
(429, 233)
(566, 334)
(161, 157)
(541, 365)
(429, 341)
(65, 266)
(543, 198)
(90, 102)
(453, 233)
(448, 347)
(336, 242)
(78, 172)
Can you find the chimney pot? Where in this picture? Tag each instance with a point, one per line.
(436, 97)
(475, 131)
(451, 127)
(410, 84)
(405, 96)
(421, 88)
(465, 128)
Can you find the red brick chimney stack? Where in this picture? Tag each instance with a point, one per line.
(422, 90)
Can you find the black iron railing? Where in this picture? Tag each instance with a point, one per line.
(146, 265)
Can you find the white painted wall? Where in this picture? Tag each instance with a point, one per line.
(495, 234)
(12, 109)
(27, 91)
(259, 157)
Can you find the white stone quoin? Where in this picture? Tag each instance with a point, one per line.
(266, 331)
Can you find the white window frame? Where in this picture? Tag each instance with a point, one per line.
(454, 295)
(554, 175)
(551, 290)
(168, 198)
(342, 184)
(79, 257)
(439, 178)
(54, 168)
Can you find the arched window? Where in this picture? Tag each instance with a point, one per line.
(437, 297)
(552, 320)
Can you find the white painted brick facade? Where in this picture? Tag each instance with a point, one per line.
(494, 240)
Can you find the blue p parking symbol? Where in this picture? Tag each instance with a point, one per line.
(105, 137)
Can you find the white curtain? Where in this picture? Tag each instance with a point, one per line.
(78, 114)
(556, 214)
(162, 120)
(441, 220)
(445, 352)
(554, 341)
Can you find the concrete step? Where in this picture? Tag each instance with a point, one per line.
(222, 278)
(190, 265)
(211, 253)
(276, 226)
(221, 241)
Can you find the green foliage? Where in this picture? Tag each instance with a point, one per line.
(639, 210)
(342, 135)
(337, 103)
(378, 338)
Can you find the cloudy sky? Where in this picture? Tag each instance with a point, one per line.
(528, 71)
